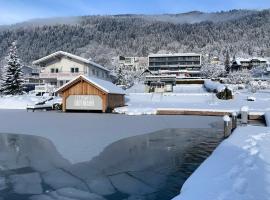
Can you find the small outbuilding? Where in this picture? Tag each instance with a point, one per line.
(91, 94)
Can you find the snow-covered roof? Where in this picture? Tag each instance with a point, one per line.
(106, 86)
(174, 54)
(239, 60)
(63, 53)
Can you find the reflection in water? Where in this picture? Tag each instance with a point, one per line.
(144, 167)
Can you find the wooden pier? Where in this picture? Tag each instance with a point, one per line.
(199, 112)
(206, 112)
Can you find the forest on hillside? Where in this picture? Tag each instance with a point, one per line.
(103, 37)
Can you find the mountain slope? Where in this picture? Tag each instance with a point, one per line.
(101, 37)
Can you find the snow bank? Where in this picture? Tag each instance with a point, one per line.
(23, 101)
(213, 86)
(267, 118)
(237, 169)
(18, 101)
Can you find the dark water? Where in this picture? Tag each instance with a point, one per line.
(146, 167)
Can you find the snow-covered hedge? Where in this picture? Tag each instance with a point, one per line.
(213, 86)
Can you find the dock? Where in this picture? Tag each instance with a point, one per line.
(199, 112)
(206, 112)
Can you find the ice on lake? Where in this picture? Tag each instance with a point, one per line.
(149, 166)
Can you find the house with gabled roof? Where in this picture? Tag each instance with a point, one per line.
(60, 67)
(90, 94)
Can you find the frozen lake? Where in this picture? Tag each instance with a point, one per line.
(49, 155)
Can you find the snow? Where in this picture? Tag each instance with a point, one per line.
(189, 89)
(136, 88)
(106, 86)
(267, 118)
(244, 109)
(24, 101)
(226, 118)
(18, 101)
(149, 103)
(237, 169)
(251, 98)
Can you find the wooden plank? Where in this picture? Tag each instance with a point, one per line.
(256, 117)
(193, 112)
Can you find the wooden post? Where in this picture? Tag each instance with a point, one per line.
(234, 120)
(64, 103)
(227, 126)
(244, 115)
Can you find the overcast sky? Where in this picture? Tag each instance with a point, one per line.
(13, 11)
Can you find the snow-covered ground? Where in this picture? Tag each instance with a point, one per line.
(24, 101)
(18, 101)
(192, 98)
(238, 169)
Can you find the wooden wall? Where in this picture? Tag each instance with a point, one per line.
(115, 100)
(109, 101)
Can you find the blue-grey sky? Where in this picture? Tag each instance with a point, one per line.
(13, 11)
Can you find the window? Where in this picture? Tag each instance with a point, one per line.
(93, 72)
(54, 70)
(74, 70)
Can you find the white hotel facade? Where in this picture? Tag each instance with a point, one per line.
(181, 65)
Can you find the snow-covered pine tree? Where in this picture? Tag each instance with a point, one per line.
(227, 62)
(120, 76)
(12, 82)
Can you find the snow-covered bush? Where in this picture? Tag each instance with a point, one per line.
(212, 71)
(259, 85)
(213, 86)
(239, 77)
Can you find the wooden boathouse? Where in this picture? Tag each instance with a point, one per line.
(91, 94)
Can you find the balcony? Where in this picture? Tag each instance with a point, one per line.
(60, 75)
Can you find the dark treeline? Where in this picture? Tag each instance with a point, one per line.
(102, 37)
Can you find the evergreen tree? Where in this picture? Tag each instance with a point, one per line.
(227, 62)
(120, 76)
(12, 83)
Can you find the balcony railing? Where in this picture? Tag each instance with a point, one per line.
(60, 75)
